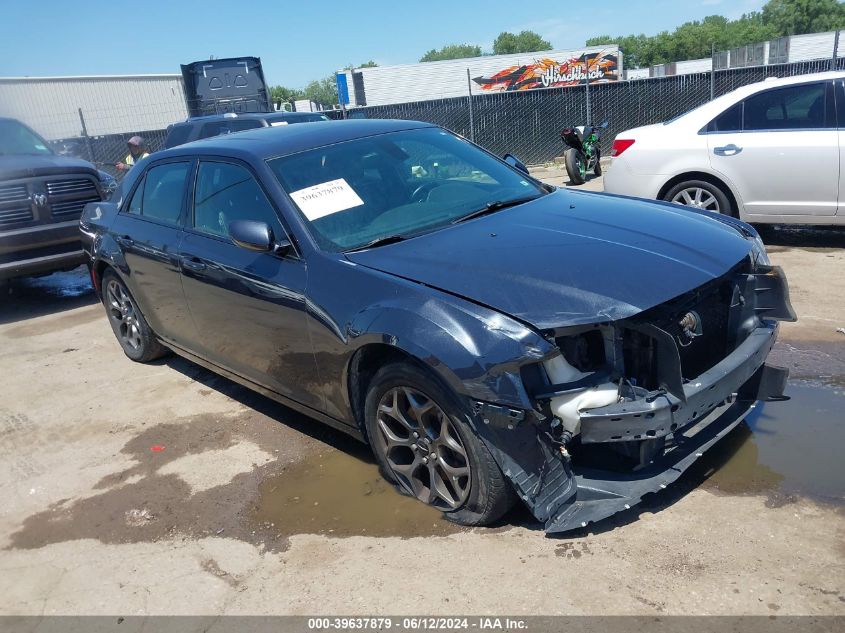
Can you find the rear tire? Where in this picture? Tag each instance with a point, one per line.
(444, 465)
(130, 328)
(700, 194)
(575, 163)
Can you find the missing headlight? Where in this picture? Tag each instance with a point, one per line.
(585, 351)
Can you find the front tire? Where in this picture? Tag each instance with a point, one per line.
(597, 169)
(130, 328)
(575, 166)
(423, 445)
(700, 194)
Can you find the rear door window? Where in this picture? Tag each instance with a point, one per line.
(729, 121)
(791, 108)
(226, 192)
(160, 195)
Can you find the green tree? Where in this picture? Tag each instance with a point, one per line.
(283, 94)
(795, 17)
(522, 42)
(693, 40)
(452, 51)
(323, 91)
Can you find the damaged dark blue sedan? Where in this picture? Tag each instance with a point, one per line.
(494, 339)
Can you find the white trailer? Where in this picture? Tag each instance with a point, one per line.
(383, 85)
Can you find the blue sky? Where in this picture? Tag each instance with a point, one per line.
(301, 40)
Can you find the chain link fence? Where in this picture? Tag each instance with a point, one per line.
(528, 124)
(106, 150)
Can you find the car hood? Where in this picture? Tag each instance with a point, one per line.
(24, 166)
(569, 258)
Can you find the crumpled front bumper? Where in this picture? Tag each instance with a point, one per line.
(715, 403)
(658, 417)
(565, 496)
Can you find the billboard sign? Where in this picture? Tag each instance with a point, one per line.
(599, 67)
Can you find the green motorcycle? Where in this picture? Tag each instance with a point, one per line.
(584, 153)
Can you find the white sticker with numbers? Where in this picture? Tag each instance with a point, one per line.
(326, 198)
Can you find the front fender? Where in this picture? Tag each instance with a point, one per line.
(477, 352)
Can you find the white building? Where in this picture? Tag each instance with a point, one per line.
(784, 50)
(109, 104)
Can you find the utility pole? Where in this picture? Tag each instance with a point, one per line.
(835, 51)
(712, 70)
(88, 144)
(471, 117)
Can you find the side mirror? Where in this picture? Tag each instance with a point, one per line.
(513, 161)
(604, 124)
(257, 236)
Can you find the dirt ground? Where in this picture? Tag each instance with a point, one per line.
(162, 489)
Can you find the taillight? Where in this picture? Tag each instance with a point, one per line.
(620, 145)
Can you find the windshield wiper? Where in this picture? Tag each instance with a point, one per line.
(494, 206)
(379, 241)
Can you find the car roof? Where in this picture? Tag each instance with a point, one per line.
(775, 82)
(230, 116)
(268, 142)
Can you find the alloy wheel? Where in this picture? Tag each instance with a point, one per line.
(699, 198)
(423, 449)
(124, 315)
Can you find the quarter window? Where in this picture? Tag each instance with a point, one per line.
(791, 108)
(159, 196)
(225, 193)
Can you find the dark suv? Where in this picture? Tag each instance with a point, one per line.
(41, 198)
(200, 127)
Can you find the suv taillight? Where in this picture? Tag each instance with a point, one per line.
(620, 145)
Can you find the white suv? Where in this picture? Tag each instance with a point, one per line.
(766, 152)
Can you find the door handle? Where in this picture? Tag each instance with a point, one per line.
(125, 240)
(193, 263)
(727, 150)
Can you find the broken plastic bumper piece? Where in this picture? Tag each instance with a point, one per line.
(661, 414)
(715, 403)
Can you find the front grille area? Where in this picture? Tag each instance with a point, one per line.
(15, 205)
(700, 353)
(71, 208)
(75, 186)
(68, 196)
(14, 193)
(649, 357)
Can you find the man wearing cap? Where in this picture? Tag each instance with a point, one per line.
(136, 153)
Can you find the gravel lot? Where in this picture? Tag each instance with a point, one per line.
(163, 489)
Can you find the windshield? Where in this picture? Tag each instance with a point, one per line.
(395, 184)
(16, 138)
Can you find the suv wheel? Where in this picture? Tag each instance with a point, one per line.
(422, 444)
(128, 324)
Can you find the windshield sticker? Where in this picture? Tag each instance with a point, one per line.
(326, 198)
(275, 123)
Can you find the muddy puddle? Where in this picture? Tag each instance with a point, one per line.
(785, 449)
(336, 494)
